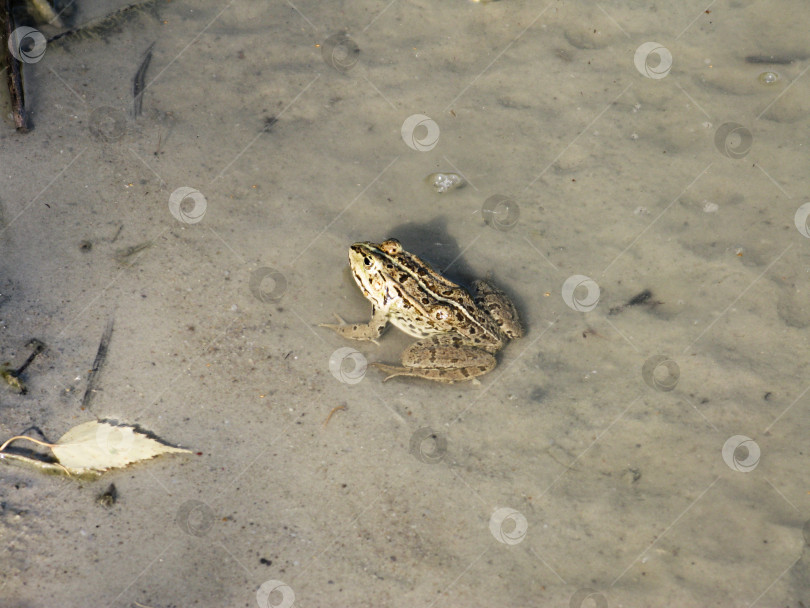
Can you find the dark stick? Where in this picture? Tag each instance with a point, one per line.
(774, 59)
(117, 233)
(101, 355)
(39, 346)
(138, 86)
(14, 74)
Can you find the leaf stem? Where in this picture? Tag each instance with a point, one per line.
(37, 441)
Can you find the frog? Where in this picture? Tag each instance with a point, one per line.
(459, 331)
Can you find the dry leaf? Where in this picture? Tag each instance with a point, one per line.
(99, 446)
(93, 447)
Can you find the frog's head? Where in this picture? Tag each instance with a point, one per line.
(372, 265)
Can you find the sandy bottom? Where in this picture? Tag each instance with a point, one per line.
(588, 469)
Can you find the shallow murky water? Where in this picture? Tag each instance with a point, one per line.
(636, 175)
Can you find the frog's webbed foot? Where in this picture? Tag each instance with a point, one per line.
(334, 326)
(359, 331)
(340, 322)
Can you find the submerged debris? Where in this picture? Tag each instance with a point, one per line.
(101, 356)
(445, 182)
(138, 84)
(42, 10)
(12, 376)
(643, 298)
(98, 28)
(109, 497)
(91, 448)
(123, 255)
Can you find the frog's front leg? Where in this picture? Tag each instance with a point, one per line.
(361, 331)
(441, 359)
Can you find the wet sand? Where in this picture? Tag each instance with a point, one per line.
(574, 475)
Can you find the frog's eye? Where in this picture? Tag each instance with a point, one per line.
(367, 262)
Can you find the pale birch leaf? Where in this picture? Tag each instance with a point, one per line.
(98, 446)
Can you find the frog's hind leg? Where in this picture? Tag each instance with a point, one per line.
(498, 306)
(442, 360)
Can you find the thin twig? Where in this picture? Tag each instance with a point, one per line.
(138, 86)
(39, 346)
(101, 355)
(334, 409)
(14, 73)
